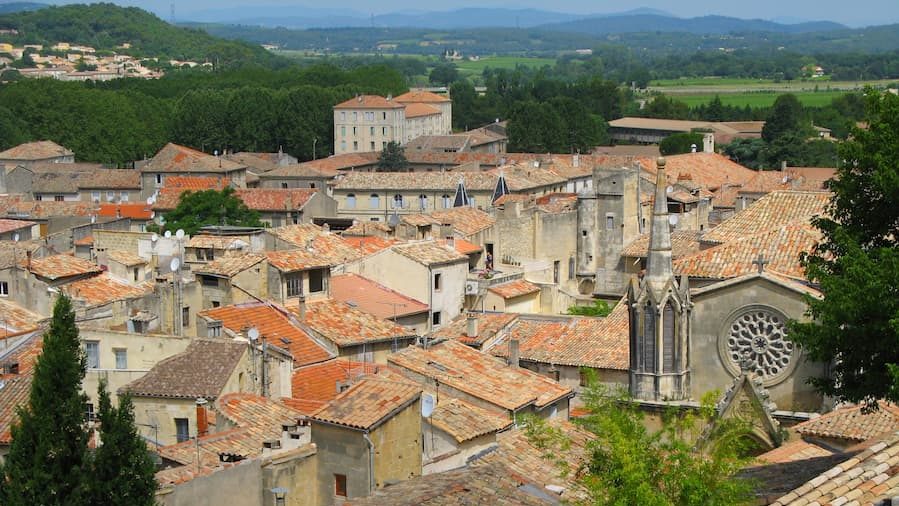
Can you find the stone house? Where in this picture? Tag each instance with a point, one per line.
(175, 160)
(519, 296)
(368, 437)
(36, 152)
(18, 230)
(380, 301)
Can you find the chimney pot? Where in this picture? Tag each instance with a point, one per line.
(202, 420)
(302, 308)
(471, 326)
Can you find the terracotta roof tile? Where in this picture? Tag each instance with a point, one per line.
(325, 167)
(274, 325)
(489, 325)
(421, 96)
(62, 266)
(295, 260)
(346, 326)
(851, 423)
(368, 403)
(794, 451)
(518, 178)
(15, 319)
(865, 479)
(14, 393)
(373, 298)
(103, 289)
(517, 452)
(494, 484)
(467, 220)
(683, 243)
(369, 102)
(585, 342)
(139, 211)
(775, 209)
(367, 244)
(780, 247)
(125, 258)
(316, 384)
(120, 179)
(197, 183)
(26, 352)
(202, 370)
(87, 240)
(416, 110)
(175, 158)
(41, 209)
(480, 375)
(230, 266)
(464, 421)
(462, 246)
(218, 242)
(319, 247)
(430, 253)
(39, 150)
(514, 289)
(708, 170)
(10, 225)
(267, 199)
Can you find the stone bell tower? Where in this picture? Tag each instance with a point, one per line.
(659, 308)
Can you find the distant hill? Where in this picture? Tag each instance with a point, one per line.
(714, 25)
(106, 26)
(10, 7)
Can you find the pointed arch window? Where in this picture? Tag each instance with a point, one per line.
(649, 339)
(669, 348)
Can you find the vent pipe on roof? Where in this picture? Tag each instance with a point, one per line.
(471, 326)
(302, 306)
(202, 420)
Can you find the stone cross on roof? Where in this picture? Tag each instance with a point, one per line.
(761, 262)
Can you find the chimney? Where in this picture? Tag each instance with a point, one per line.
(471, 326)
(576, 162)
(451, 242)
(302, 306)
(514, 354)
(708, 143)
(202, 420)
(783, 166)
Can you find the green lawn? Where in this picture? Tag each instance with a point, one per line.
(707, 81)
(501, 62)
(760, 99)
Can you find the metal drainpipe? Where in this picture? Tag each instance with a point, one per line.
(371, 462)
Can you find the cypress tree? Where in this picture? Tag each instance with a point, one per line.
(123, 470)
(48, 462)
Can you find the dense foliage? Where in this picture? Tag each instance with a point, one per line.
(393, 158)
(49, 462)
(676, 144)
(105, 26)
(250, 109)
(678, 465)
(855, 326)
(598, 308)
(209, 207)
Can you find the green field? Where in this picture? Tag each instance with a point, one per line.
(708, 81)
(760, 99)
(467, 67)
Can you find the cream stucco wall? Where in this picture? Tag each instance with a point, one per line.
(351, 125)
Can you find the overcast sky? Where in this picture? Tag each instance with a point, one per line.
(856, 12)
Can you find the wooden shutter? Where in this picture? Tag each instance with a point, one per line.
(668, 339)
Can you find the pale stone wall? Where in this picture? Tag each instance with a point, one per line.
(398, 447)
(443, 453)
(350, 125)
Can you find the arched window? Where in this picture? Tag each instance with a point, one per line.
(447, 203)
(423, 202)
(397, 201)
(374, 202)
(669, 351)
(649, 339)
(351, 201)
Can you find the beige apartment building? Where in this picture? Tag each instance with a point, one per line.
(368, 122)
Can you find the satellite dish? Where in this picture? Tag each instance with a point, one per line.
(427, 404)
(785, 179)
(672, 219)
(253, 333)
(175, 264)
(154, 238)
(15, 237)
(168, 234)
(151, 200)
(670, 189)
(179, 234)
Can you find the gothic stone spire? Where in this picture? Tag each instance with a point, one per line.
(659, 269)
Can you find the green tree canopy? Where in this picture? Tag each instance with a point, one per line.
(598, 308)
(210, 207)
(676, 144)
(48, 461)
(786, 118)
(444, 74)
(855, 326)
(393, 158)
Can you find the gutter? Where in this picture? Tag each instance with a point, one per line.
(371, 462)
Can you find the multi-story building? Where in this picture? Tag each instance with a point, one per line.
(369, 122)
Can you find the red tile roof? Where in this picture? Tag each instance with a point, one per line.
(464, 247)
(775, 209)
(61, 266)
(103, 289)
(430, 253)
(175, 158)
(794, 451)
(480, 375)
(368, 244)
(368, 403)
(15, 319)
(489, 324)
(267, 199)
(316, 384)
(230, 266)
(197, 183)
(708, 170)
(139, 211)
(373, 298)
(683, 242)
(346, 326)
(369, 102)
(273, 325)
(421, 96)
(514, 289)
(295, 260)
(39, 150)
(852, 423)
(465, 421)
(415, 110)
(467, 220)
(126, 258)
(326, 248)
(14, 393)
(10, 225)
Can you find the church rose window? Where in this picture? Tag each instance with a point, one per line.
(758, 335)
